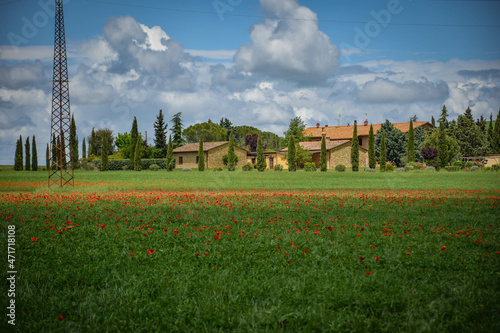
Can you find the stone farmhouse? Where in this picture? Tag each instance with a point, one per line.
(187, 155)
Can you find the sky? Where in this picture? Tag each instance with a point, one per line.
(257, 63)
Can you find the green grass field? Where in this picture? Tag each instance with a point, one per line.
(253, 252)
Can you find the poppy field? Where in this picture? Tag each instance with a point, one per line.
(205, 252)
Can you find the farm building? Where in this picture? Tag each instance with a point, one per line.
(272, 158)
(187, 155)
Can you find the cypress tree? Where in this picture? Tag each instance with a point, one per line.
(261, 159)
(442, 147)
(355, 149)
(433, 122)
(410, 148)
(496, 135)
(292, 164)
(18, 160)
(444, 117)
(74, 142)
(372, 162)
(201, 155)
(134, 135)
(137, 156)
(322, 156)
(63, 149)
(84, 149)
(54, 150)
(47, 157)
(104, 154)
(27, 166)
(490, 132)
(34, 155)
(231, 157)
(170, 155)
(383, 153)
(93, 143)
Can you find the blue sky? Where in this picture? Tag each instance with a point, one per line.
(258, 63)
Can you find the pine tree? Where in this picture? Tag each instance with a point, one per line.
(261, 159)
(322, 156)
(410, 148)
(137, 156)
(84, 149)
(442, 147)
(27, 166)
(433, 121)
(372, 162)
(444, 117)
(177, 130)
(355, 149)
(161, 134)
(74, 142)
(104, 154)
(170, 155)
(231, 156)
(292, 164)
(34, 155)
(134, 137)
(201, 155)
(470, 138)
(18, 160)
(47, 157)
(383, 153)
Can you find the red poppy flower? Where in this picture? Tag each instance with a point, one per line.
(205, 253)
(278, 248)
(361, 258)
(408, 253)
(376, 258)
(34, 239)
(151, 251)
(132, 254)
(373, 246)
(61, 317)
(197, 254)
(368, 273)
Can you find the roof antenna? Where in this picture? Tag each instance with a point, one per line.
(339, 118)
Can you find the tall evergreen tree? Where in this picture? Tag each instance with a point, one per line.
(496, 135)
(74, 142)
(64, 161)
(491, 125)
(227, 124)
(137, 156)
(34, 155)
(201, 155)
(104, 154)
(84, 149)
(47, 157)
(355, 148)
(443, 118)
(18, 160)
(322, 156)
(261, 159)
(231, 156)
(170, 155)
(134, 134)
(383, 153)
(93, 143)
(433, 121)
(481, 123)
(176, 121)
(27, 166)
(470, 138)
(442, 148)
(410, 147)
(55, 153)
(292, 164)
(161, 134)
(372, 162)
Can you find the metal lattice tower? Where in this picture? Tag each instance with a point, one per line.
(61, 158)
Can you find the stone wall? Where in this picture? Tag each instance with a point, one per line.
(188, 160)
(342, 155)
(214, 159)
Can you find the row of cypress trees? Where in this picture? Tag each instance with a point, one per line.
(31, 159)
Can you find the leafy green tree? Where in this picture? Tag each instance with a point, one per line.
(450, 149)
(27, 166)
(322, 156)
(34, 155)
(395, 142)
(134, 138)
(47, 157)
(443, 118)
(302, 156)
(372, 162)
(410, 147)
(261, 159)
(137, 156)
(470, 138)
(74, 142)
(104, 134)
(210, 132)
(177, 130)
(18, 160)
(271, 141)
(84, 149)
(383, 153)
(228, 125)
(355, 148)
(161, 134)
(241, 132)
(104, 153)
(201, 155)
(170, 155)
(292, 164)
(295, 128)
(231, 156)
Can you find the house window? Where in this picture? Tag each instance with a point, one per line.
(180, 160)
(360, 141)
(197, 158)
(271, 162)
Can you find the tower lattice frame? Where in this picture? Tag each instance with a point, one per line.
(60, 170)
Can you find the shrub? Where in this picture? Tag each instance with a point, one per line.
(413, 164)
(452, 168)
(421, 165)
(278, 167)
(370, 170)
(154, 167)
(429, 153)
(408, 168)
(474, 168)
(310, 167)
(87, 166)
(495, 167)
(459, 164)
(487, 169)
(247, 167)
(430, 168)
(218, 169)
(468, 165)
(186, 169)
(340, 168)
(389, 166)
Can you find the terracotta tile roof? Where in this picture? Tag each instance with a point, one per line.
(316, 145)
(194, 146)
(345, 132)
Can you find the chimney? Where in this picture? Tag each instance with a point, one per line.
(366, 122)
(326, 125)
(317, 125)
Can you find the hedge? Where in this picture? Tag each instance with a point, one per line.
(115, 165)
